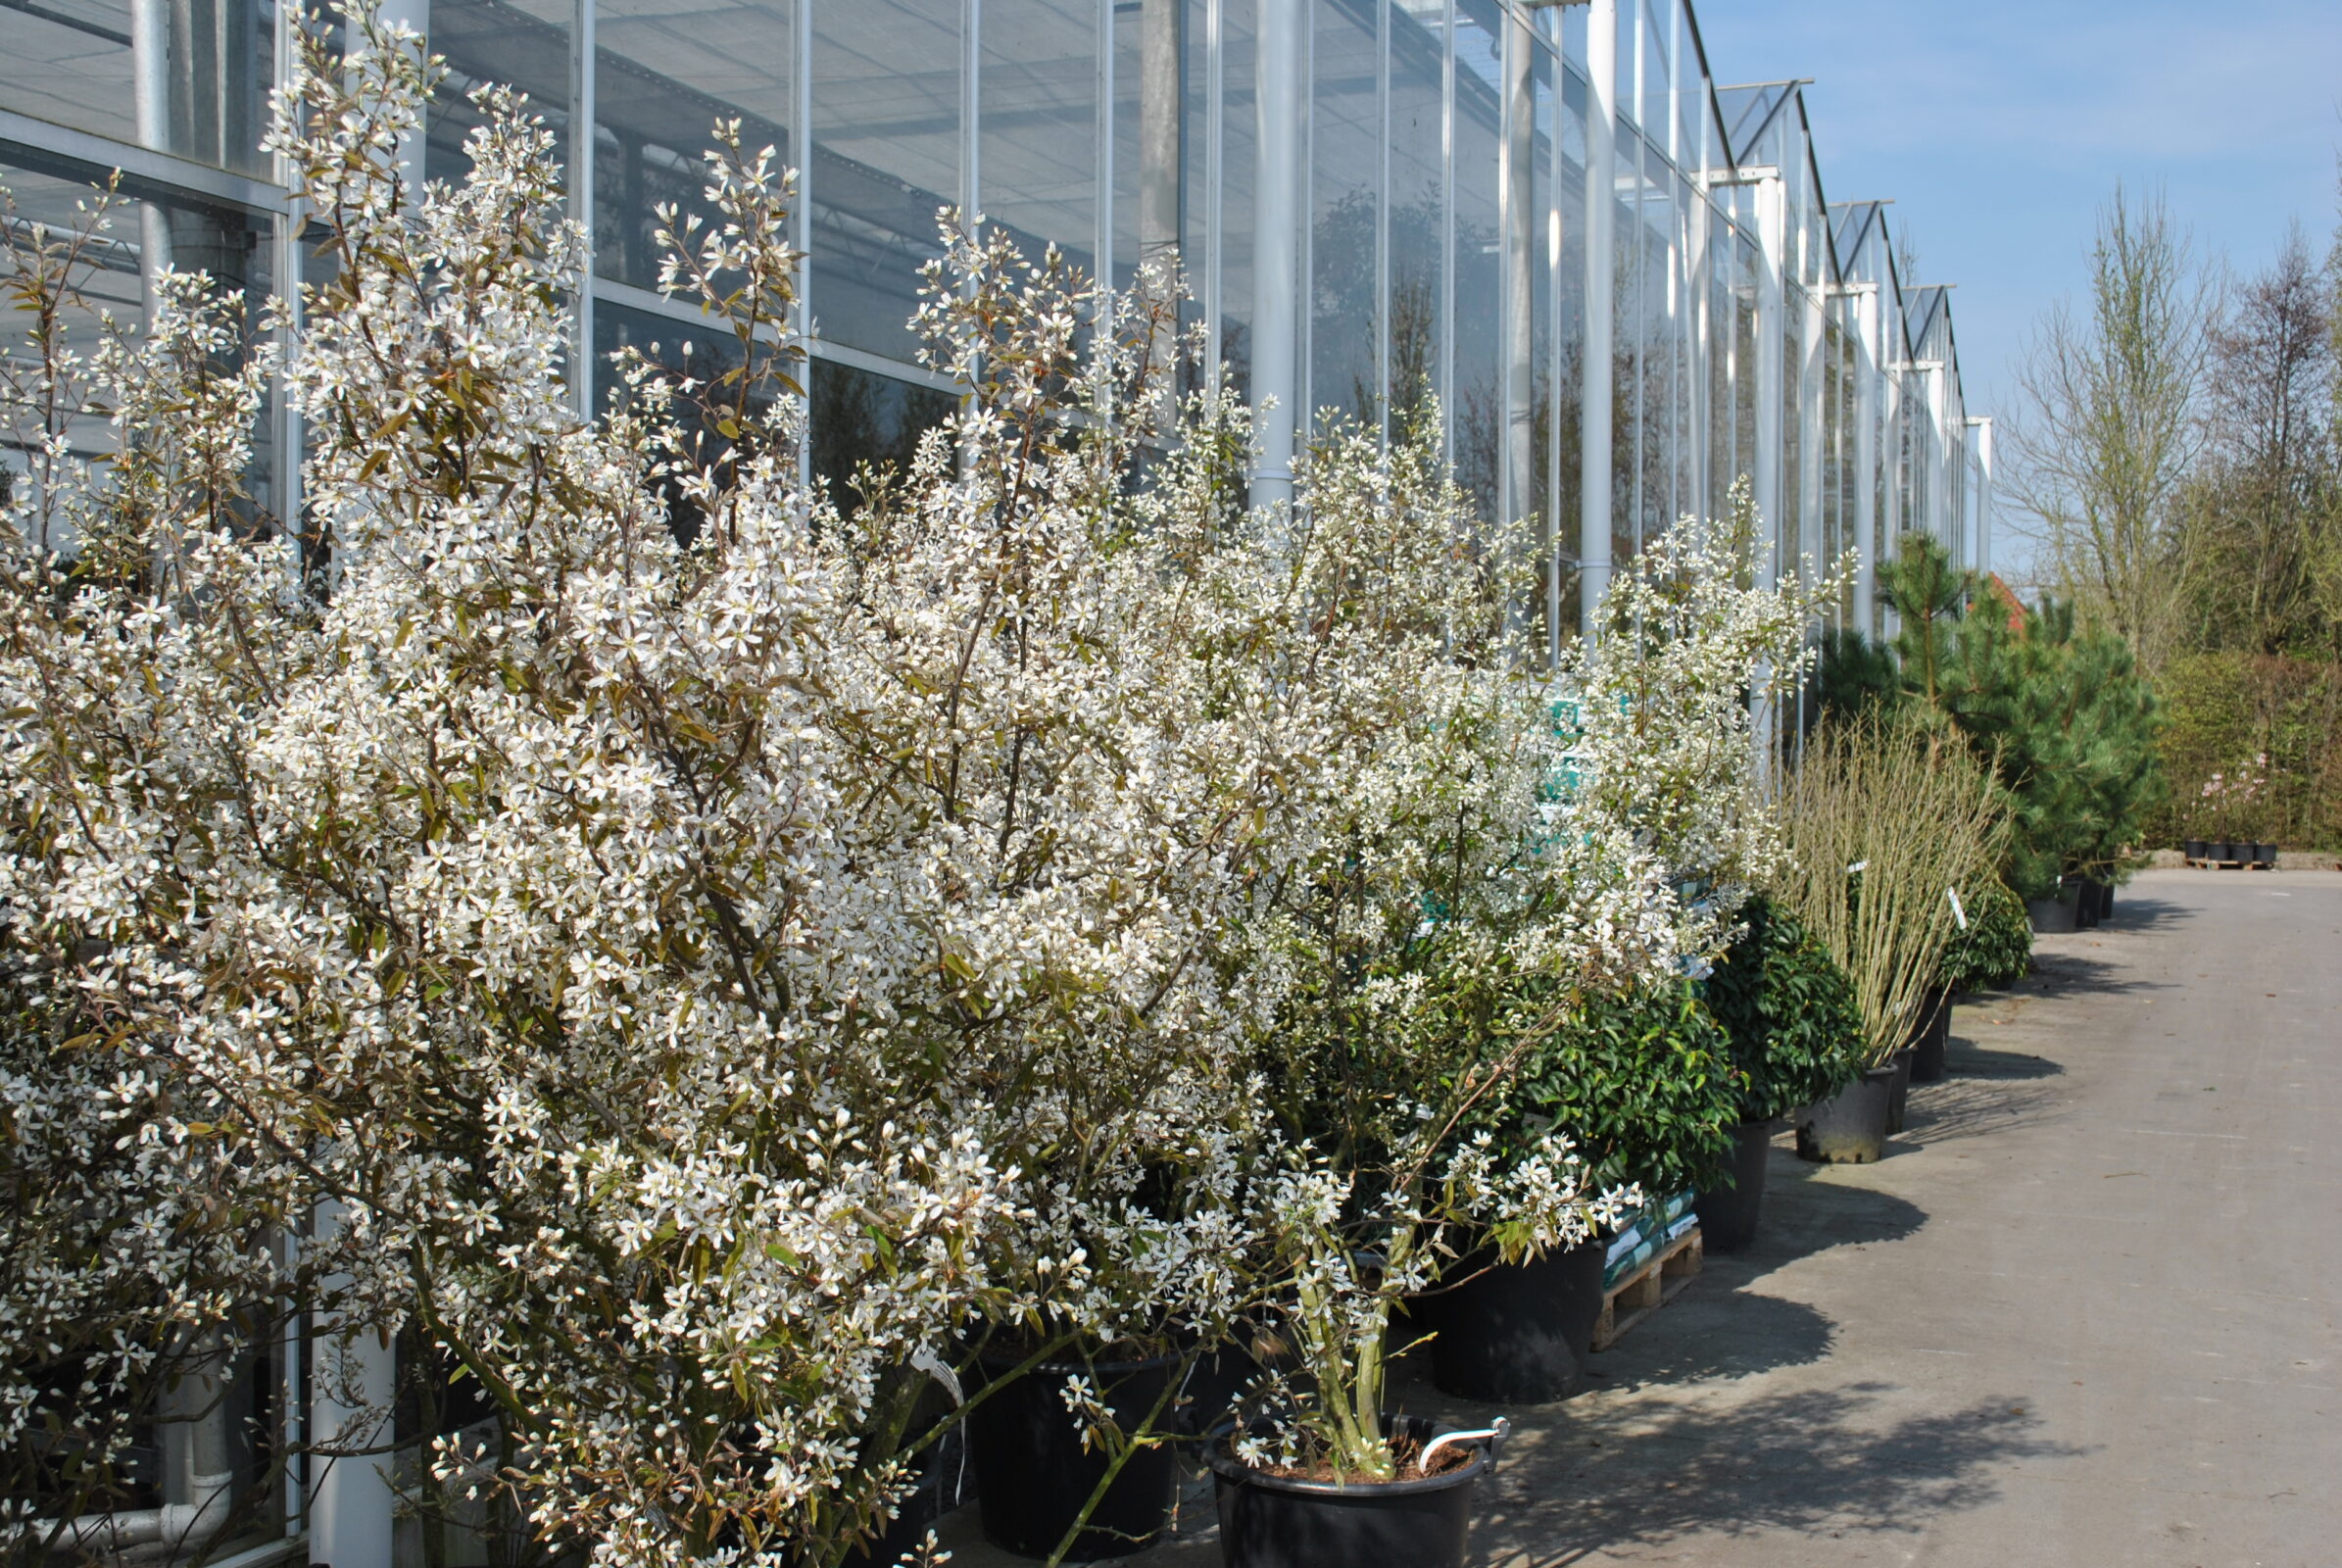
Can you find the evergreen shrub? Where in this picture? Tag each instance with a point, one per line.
(1996, 949)
(1645, 1084)
(1789, 1013)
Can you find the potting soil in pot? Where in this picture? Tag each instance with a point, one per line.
(1269, 1521)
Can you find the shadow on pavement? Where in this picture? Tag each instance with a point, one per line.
(1813, 1462)
(1970, 1105)
(1805, 1215)
(1967, 1060)
(1718, 1328)
(2146, 912)
(2057, 974)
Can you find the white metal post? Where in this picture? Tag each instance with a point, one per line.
(1810, 419)
(1981, 431)
(1868, 374)
(1898, 454)
(1279, 190)
(1770, 349)
(1594, 363)
(1940, 496)
(1519, 222)
(581, 200)
(1698, 399)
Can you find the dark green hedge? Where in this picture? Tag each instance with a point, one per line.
(1787, 1012)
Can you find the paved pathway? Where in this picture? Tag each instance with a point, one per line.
(2085, 1314)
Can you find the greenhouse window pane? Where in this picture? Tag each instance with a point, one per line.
(886, 159)
(666, 72)
(199, 89)
(1038, 116)
(526, 46)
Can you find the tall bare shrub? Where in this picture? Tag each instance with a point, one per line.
(1885, 821)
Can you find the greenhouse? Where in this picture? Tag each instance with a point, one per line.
(1620, 285)
(1372, 203)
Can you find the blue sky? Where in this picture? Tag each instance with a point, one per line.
(2000, 126)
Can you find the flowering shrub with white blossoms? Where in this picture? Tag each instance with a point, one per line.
(708, 951)
(705, 964)
(1692, 647)
(1460, 910)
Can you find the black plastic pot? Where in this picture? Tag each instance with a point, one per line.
(2082, 894)
(2267, 855)
(2051, 916)
(1898, 1094)
(2193, 849)
(1033, 1475)
(1849, 1128)
(2224, 851)
(942, 1487)
(1515, 1333)
(1929, 1046)
(1215, 1382)
(1728, 1217)
(1270, 1522)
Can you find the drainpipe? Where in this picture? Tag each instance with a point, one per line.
(1279, 193)
(351, 1381)
(150, 103)
(199, 1481)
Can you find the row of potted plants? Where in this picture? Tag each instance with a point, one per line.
(755, 994)
(2225, 852)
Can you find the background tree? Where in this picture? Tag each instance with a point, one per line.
(2110, 425)
(2263, 508)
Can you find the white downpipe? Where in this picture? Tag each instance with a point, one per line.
(1594, 392)
(199, 1483)
(1279, 194)
(1866, 462)
(178, 1526)
(352, 1378)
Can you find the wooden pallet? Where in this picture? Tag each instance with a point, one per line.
(1650, 1288)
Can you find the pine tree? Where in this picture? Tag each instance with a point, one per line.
(2057, 709)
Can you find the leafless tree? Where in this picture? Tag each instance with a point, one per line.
(2264, 508)
(2111, 423)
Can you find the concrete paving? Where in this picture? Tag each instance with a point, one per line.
(2083, 1314)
